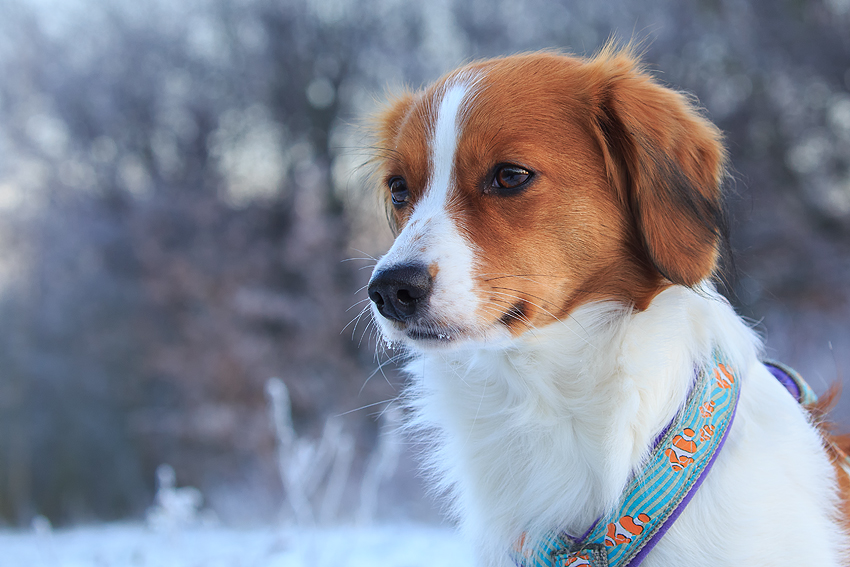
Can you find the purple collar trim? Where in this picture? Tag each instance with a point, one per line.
(638, 559)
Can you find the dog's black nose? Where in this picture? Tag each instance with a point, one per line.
(399, 291)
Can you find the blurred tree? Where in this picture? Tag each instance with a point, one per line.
(177, 197)
(187, 245)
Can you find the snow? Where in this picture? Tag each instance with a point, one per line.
(179, 532)
(136, 545)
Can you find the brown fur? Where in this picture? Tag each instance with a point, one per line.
(667, 161)
(625, 198)
(402, 147)
(838, 447)
(614, 155)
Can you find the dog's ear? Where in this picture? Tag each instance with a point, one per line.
(386, 123)
(385, 127)
(667, 162)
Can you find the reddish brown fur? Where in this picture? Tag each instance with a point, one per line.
(625, 199)
(403, 146)
(838, 447)
(626, 192)
(671, 161)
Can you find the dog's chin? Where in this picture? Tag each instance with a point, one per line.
(436, 338)
(422, 339)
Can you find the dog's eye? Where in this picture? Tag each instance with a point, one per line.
(398, 190)
(510, 177)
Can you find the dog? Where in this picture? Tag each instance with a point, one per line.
(560, 232)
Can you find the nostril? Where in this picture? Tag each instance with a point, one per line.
(376, 298)
(404, 296)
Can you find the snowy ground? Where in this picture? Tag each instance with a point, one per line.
(135, 545)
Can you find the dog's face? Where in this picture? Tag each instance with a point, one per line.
(527, 186)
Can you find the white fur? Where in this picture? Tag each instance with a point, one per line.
(544, 434)
(431, 236)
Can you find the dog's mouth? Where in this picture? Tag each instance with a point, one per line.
(428, 335)
(433, 335)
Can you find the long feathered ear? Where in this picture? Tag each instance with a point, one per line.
(667, 161)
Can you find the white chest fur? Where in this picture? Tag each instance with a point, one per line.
(544, 432)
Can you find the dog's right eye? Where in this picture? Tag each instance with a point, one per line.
(508, 179)
(398, 190)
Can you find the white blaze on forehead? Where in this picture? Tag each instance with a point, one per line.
(444, 141)
(443, 145)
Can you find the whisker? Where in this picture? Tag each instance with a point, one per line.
(355, 318)
(527, 294)
(501, 313)
(356, 322)
(368, 256)
(508, 312)
(380, 367)
(588, 343)
(356, 304)
(523, 276)
(372, 336)
(361, 289)
(367, 406)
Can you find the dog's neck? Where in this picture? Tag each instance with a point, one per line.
(568, 411)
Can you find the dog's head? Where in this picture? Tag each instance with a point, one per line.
(526, 186)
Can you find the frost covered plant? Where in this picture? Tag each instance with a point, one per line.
(315, 474)
(305, 465)
(173, 507)
(381, 466)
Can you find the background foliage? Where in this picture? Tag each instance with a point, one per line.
(180, 184)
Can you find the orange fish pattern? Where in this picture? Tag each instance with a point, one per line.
(625, 529)
(727, 379)
(682, 449)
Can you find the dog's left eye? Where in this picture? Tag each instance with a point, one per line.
(398, 191)
(510, 177)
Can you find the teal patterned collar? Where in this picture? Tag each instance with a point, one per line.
(657, 494)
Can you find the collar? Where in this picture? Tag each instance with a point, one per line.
(792, 381)
(656, 495)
